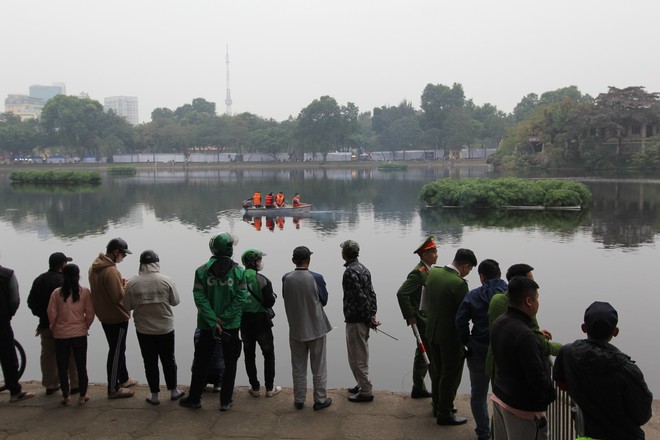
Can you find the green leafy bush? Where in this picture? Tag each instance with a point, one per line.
(55, 176)
(122, 170)
(498, 193)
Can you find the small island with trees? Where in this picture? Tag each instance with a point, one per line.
(506, 193)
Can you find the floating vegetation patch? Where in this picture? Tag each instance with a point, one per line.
(506, 192)
(393, 166)
(56, 176)
(122, 170)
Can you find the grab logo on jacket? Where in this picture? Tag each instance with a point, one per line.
(213, 281)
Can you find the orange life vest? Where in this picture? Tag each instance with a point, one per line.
(256, 199)
(269, 200)
(279, 199)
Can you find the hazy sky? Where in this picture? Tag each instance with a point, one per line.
(286, 53)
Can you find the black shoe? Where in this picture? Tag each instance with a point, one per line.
(451, 420)
(359, 397)
(299, 405)
(416, 393)
(51, 391)
(353, 390)
(188, 403)
(320, 405)
(74, 391)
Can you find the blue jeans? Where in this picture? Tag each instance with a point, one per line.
(479, 382)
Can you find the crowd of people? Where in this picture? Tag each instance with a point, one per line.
(493, 328)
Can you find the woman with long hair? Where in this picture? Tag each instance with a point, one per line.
(71, 313)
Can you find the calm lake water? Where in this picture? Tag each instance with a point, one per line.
(607, 252)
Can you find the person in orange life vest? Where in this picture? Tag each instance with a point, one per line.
(269, 200)
(280, 222)
(296, 200)
(279, 199)
(256, 199)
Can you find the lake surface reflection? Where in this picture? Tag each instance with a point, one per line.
(605, 253)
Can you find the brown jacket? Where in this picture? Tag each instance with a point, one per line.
(107, 288)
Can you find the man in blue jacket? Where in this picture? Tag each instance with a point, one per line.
(475, 308)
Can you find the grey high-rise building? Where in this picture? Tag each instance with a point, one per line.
(126, 106)
(47, 92)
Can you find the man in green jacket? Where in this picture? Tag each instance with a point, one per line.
(256, 323)
(409, 296)
(220, 291)
(499, 305)
(445, 290)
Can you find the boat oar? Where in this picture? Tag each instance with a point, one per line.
(420, 344)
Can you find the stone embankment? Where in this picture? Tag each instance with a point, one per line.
(389, 416)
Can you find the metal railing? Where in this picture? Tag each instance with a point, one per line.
(560, 416)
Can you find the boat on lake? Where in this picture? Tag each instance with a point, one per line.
(289, 210)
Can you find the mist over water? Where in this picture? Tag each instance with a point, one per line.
(607, 252)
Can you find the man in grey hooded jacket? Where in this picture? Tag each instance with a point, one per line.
(151, 295)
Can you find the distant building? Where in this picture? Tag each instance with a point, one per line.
(126, 106)
(47, 92)
(30, 106)
(24, 106)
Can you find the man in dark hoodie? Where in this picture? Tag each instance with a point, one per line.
(37, 301)
(609, 389)
(107, 286)
(522, 387)
(220, 291)
(475, 308)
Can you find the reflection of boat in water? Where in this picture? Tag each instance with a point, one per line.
(274, 212)
(271, 221)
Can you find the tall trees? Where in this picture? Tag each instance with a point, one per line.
(82, 127)
(19, 138)
(323, 125)
(438, 102)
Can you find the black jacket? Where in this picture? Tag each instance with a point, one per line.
(523, 373)
(39, 296)
(608, 387)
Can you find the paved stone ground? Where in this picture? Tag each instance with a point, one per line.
(389, 416)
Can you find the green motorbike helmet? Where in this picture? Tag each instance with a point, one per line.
(250, 256)
(222, 245)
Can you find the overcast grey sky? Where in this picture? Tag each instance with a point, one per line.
(286, 53)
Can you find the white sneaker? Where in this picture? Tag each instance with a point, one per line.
(275, 390)
(255, 393)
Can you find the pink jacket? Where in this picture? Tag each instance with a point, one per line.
(70, 319)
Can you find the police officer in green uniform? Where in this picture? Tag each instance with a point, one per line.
(444, 292)
(409, 296)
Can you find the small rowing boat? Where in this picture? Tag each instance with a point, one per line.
(283, 210)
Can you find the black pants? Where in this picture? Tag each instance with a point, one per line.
(231, 350)
(116, 363)
(8, 358)
(63, 350)
(267, 346)
(152, 348)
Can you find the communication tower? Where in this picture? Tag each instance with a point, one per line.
(228, 99)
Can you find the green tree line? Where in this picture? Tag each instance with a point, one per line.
(559, 128)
